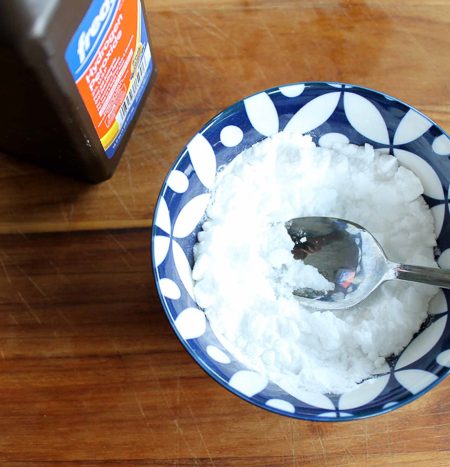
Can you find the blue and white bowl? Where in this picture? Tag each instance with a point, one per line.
(328, 112)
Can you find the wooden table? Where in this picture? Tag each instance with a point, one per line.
(91, 371)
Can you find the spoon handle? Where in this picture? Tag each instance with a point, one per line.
(432, 276)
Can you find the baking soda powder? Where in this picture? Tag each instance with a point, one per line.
(245, 273)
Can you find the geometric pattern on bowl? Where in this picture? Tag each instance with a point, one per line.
(329, 112)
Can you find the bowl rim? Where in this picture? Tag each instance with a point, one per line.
(197, 359)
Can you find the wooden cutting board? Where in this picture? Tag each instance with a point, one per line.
(90, 371)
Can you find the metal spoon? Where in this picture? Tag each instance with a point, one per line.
(351, 258)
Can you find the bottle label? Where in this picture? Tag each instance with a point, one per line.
(110, 60)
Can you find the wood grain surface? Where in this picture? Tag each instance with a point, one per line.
(90, 370)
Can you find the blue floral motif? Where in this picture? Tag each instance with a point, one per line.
(328, 112)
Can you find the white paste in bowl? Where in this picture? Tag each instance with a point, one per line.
(244, 272)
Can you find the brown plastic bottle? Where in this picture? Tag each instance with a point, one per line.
(74, 76)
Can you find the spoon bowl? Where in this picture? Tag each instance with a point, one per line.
(349, 257)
